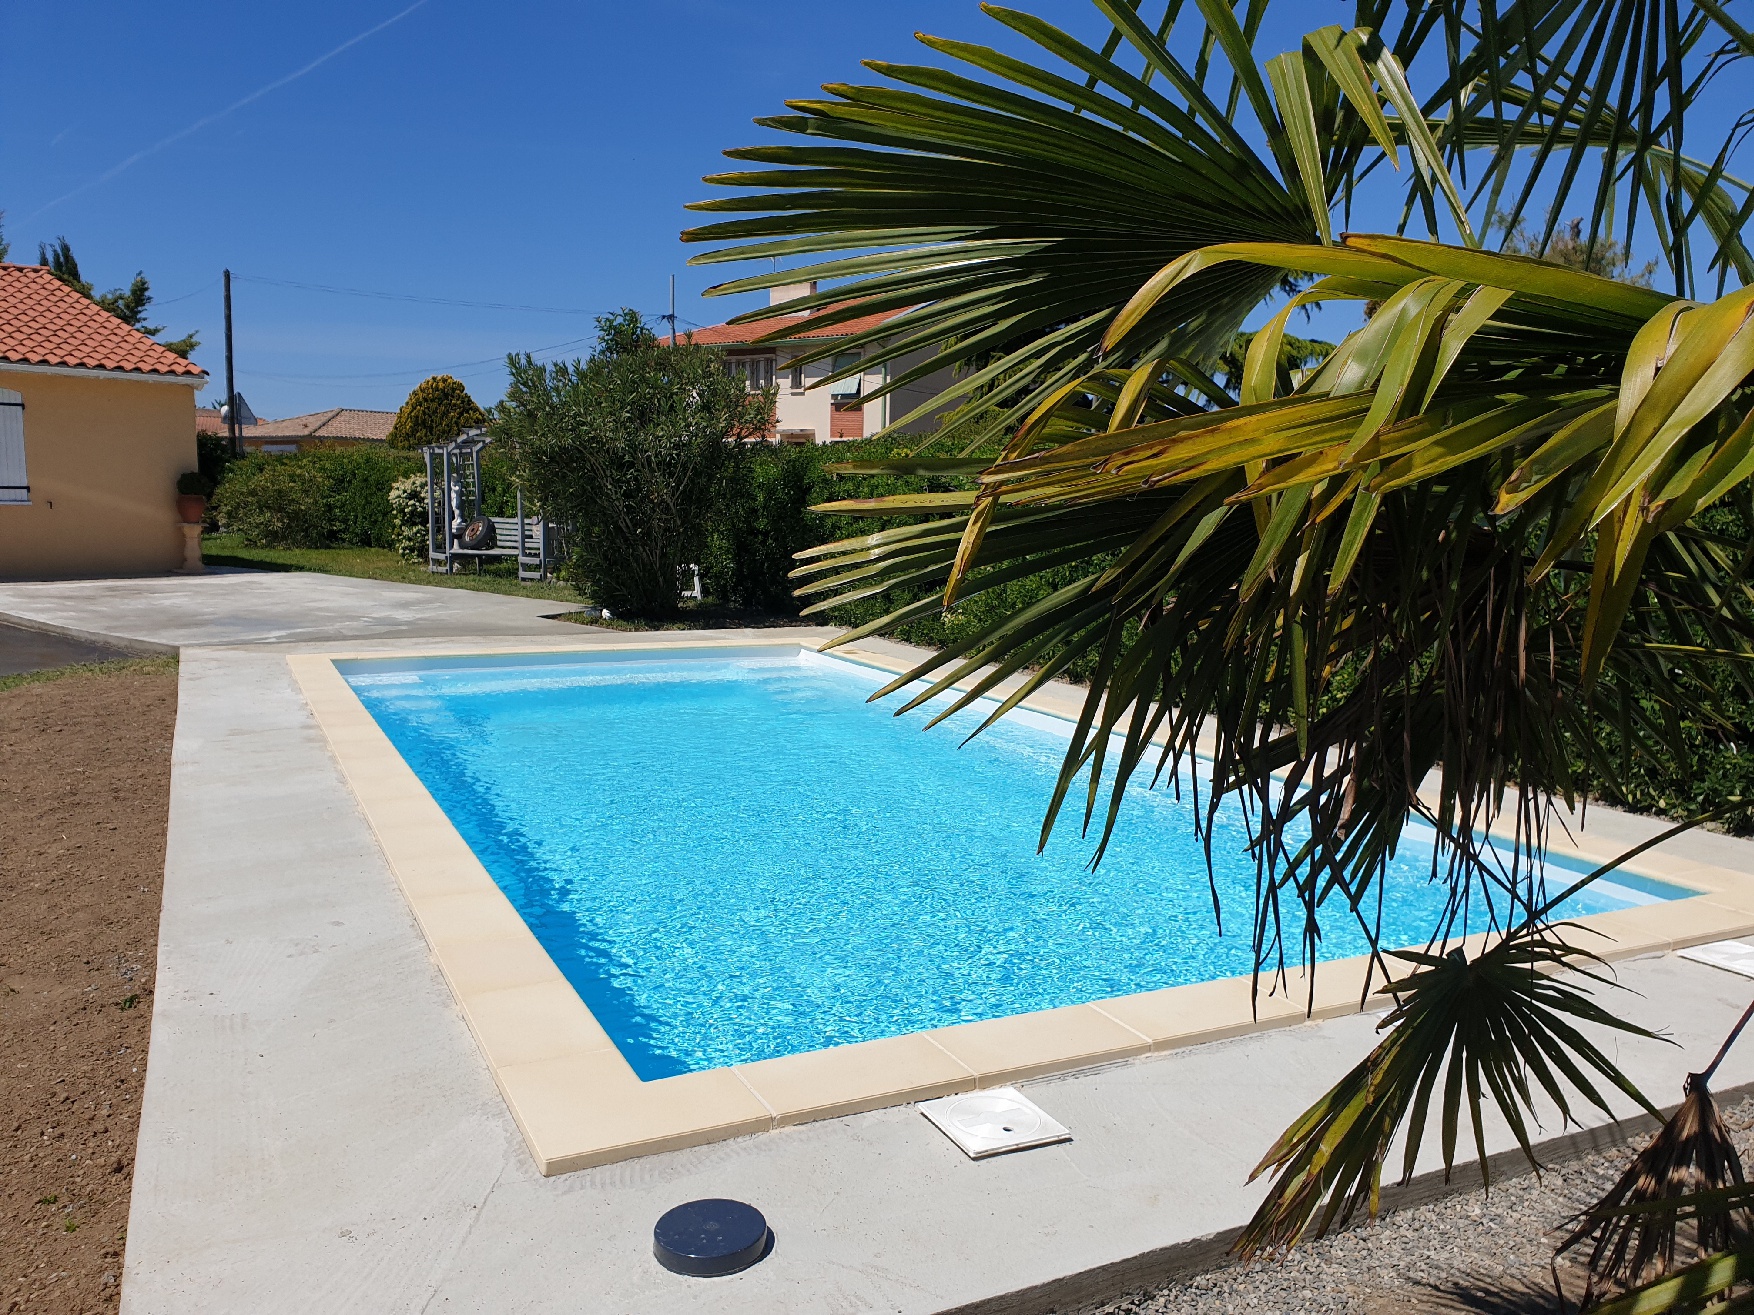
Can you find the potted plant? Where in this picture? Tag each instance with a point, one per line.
(192, 490)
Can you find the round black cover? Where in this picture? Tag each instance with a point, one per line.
(710, 1238)
(478, 535)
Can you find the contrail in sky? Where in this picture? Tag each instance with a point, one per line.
(215, 117)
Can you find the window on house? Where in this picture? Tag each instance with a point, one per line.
(14, 484)
(756, 371)
(848, 389)
(797, 378)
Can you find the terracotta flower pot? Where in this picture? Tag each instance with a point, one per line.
(191, 507)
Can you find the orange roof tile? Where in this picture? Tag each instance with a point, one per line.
(45, 322)
(730, 335)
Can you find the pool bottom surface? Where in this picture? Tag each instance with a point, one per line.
(734, 859)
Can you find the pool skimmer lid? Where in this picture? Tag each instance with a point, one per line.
(993, 1122)
(711, 1238)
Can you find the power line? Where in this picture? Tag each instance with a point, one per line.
(403, 296)
(408, 374)
(171, 301)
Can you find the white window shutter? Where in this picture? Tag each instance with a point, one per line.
(14, 483)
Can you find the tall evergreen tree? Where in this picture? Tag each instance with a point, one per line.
(58, 260)
(126, 304)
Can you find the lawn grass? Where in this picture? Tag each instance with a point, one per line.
(147, 666)
(380, 564)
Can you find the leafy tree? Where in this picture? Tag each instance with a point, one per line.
(1569, 247)
(5, 246)
(126, 304)
(1295, 354)
(1480, 524)
(436, 411)
(627, 450)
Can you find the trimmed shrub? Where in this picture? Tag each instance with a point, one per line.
(761, 515)
(213, 455)
(272, 502)
(323, 497)
(436, 411)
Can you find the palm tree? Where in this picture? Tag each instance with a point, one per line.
(1406, 583)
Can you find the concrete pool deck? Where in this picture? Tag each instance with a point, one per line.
(319, 1131)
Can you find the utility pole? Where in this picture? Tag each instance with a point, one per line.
(672, 315)
(231, 390)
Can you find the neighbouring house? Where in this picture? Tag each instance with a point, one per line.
(96, 424)
(208, 419)
(341, 425)
(806, 412)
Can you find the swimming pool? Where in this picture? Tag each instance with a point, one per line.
(732, 857)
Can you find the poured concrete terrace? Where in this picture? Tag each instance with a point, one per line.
(320, 1132)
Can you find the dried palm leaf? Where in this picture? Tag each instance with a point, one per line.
(1636, 1227)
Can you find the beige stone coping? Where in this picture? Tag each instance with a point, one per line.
(579, 1103)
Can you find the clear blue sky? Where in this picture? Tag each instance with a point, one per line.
(530, 153)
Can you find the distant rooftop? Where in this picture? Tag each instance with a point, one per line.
(728, 335)
(340, 423)
(45, 322)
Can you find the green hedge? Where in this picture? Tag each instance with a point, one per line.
(763, 517)
(339, 496)
(323, 497)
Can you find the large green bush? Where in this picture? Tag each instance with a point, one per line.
(631, 451)
(323, 497)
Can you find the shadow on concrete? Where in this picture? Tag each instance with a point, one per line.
(23, 650)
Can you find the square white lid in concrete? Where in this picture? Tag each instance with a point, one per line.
(993, 1122)
(1731, 956)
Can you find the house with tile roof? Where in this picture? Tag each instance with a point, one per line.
(97, 421)
(340, 424)
(805, 410)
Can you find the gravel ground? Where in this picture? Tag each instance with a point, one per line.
(1476, 1251)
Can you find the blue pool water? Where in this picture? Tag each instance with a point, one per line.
(735, 857)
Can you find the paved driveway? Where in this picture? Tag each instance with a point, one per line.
(164, 613)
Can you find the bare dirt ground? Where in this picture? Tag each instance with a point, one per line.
(84, 791)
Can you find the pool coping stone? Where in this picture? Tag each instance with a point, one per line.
(578, 1103)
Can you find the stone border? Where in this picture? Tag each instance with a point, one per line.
(578, 1103)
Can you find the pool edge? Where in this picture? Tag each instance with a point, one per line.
(579, 1104)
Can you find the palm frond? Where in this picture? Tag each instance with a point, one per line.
(1436, 556)
(1690, 1155)
(1482, 1025)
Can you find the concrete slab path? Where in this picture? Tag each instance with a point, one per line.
(319, 1132)
(164, 613)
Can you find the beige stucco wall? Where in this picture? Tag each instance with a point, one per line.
(809, 407)
(103, 455)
